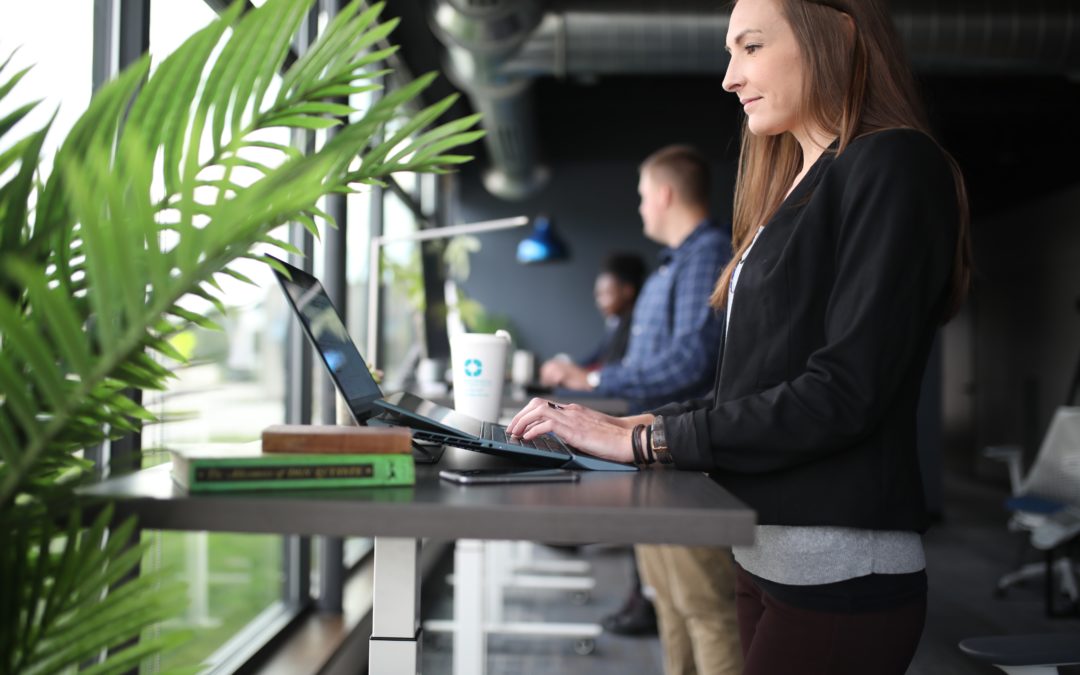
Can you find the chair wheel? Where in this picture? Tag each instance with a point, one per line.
(584, 646)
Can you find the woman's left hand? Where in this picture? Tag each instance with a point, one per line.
(576, 425)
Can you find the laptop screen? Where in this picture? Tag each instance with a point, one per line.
(324, 327)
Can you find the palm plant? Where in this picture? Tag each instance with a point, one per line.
(166, 179)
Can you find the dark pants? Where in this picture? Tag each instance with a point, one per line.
(778, 639)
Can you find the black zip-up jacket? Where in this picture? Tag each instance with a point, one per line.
(812, 415)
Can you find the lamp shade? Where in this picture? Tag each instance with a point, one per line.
(543, 245)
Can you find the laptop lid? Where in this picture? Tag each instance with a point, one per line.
(323, 325)
(327, 332)
(430, 415)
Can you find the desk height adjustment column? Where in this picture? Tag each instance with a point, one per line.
(394, 647)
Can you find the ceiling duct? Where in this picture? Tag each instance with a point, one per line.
(480, 36)
(583, 44)
(496, 48)
(992, 36)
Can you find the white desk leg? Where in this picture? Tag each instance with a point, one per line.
(498, 566)
(394, 647)
(470, 636)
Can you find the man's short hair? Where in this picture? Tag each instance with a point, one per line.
(628, 268)
(684, 168)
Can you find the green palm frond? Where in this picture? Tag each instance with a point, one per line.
(60, 611)
(92, 260)
(167, 178)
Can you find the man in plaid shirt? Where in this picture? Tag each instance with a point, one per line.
(675, 337)
(674, 345)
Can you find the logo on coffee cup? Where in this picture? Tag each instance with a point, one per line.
(473, 367)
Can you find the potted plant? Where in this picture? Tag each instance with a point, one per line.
(147, 203)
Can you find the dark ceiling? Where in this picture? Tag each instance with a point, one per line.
(1014, 135)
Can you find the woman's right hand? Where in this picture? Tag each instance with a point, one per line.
(517, 428)
(598, 434)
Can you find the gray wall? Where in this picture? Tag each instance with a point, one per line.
(593, 205)
(1010, 357)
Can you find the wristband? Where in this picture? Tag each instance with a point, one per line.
(649, 456)
(635, 445)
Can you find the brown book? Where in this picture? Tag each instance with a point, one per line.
(336, 440)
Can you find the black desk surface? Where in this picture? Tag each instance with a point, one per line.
(657, 505)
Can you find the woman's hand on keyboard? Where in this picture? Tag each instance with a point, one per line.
(583, 428)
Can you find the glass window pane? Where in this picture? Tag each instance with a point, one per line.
(358, 239)
(232, 389)
(173, 22)
(61, 53)
(230, 577)
(403, 295)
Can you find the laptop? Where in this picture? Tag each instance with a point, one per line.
(428, 421)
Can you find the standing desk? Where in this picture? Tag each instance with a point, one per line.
(658, 505)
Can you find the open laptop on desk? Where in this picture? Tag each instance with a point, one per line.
(429, 421)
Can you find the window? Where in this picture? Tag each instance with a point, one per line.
(61, 53)
(401, 331)
(358, 241)
(232, 389)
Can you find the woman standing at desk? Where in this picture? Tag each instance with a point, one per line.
(850, 231)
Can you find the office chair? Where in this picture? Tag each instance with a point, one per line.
(1025, 654)
(1046, 504)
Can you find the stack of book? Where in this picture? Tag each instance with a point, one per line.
(301, 457)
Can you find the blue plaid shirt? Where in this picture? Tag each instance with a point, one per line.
(675, 337)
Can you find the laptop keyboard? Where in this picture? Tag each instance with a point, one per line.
(494, 432)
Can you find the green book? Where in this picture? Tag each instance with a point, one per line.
(229, 469)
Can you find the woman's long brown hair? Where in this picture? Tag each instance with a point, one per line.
(857, 82)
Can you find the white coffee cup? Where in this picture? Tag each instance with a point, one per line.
(479, 365)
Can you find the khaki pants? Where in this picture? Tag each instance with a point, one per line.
(695, 608)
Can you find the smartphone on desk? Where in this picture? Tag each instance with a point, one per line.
(502, 476)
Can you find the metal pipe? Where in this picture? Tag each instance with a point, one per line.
(496, 48)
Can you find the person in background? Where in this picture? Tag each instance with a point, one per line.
(852, 247)
(672, 353)
(615, 291)
(674, 334)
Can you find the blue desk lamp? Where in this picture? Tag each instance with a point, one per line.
(543, 245)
